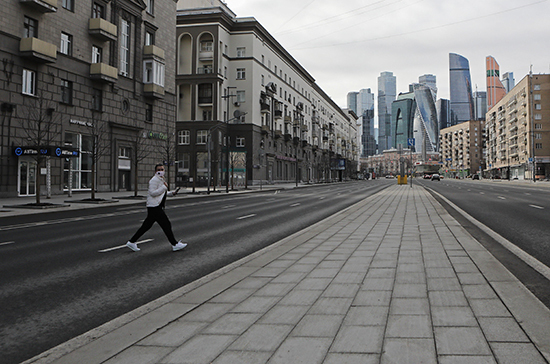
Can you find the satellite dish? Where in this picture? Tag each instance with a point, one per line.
(237, 114)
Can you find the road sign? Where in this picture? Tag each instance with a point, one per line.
(410, 142)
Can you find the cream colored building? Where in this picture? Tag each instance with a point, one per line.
(461, 148)
(239, 87)
(518, 131)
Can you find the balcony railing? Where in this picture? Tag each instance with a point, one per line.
(152, 51)
(205, 100)
(42, 6)
(205, 70)
(38, 50)
(103, 72)
(153, 90)
(102, 29)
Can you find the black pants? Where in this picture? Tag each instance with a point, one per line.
(155, 214)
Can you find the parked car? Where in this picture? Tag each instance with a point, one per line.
(475, 176)
(435, 177)
(427, 176)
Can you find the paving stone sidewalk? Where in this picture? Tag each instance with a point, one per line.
(393, 279)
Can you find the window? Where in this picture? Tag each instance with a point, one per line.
(538, 107)
(263, 80)
(241, 52)
(98, 11)
(225, 49)
(202, 136)
(30, 28)
(66, 44)
(263, 59)
(68, 4)
(82, 164)
(538, 145)
(184, 137)
(536, 97)
(153, 72)
(149, 113)
(205, 93)
(538, 136)
(29, 82)
(184, 161)
(538, 117)
(96, 54)
(207, 115)
(125, 48)
(149, 37)
(240, 142)
(275, 70)
(225, 72)
(241, 73)
(207, 46)
(536, 87)
(150, 6)
(124, 152)
(241, 96)
(66, 92)
(538, 126)
(97, 100)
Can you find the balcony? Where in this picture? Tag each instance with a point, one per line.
(288, 119)
(264, 107)
(205, 100)
(103, 73)
(206, 55)
(102, 29)
(278, 134)
(205, 70)
(265, 129)
(38, 50)
(152, 51)
(153, 90)
(42, 6)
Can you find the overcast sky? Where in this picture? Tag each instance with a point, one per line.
(345, 44)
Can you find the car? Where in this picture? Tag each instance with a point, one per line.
(427, 176)
(435, 177)
(389, 176)
(475, 176)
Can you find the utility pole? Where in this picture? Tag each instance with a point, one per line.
(227, 97)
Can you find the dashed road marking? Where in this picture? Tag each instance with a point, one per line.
(123, 246)
(502, 198)
(537, 207)
(7, 243)
(246, 217)
(295, 204)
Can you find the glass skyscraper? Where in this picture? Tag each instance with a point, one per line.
(495, 88)
(462, 105)
(387, 91)
(362, 103)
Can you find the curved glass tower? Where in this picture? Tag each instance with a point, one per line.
(462, 105)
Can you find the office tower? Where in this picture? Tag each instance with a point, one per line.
(508, 81)
(480, 105)
(387, 91)
(495, 88)
(426, 128)
(402, 118)
(428, 80)
(462, 107)
(362, 103)
(443, 107)
(352, 101)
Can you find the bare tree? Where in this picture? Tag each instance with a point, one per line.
(41, 129)
(98, 131)
(142, 149)
(167, 146)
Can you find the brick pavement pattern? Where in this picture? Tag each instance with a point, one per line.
(392, 279)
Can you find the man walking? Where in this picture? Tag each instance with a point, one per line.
(156, 198)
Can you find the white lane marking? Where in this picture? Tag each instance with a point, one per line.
(228, 206)
(322, 198)
(295, 204)
(246, 217)
(502, 198)
(7, 243)
(482, 193)
(123, 246)
(537, 207)
(527, 193)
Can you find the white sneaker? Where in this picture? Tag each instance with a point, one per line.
(178, 246)
(133, 246)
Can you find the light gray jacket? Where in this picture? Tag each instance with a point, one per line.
(156, 191)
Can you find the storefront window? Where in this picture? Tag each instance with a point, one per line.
(81, 165)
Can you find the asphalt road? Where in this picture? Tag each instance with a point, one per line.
(519, 212)
(64, 273)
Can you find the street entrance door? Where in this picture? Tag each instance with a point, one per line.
(26, 184)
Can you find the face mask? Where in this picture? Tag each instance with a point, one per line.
(160, 173)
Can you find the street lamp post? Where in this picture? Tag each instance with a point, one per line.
(227, 140)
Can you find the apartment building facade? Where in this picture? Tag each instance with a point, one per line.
(87, 89)
(247, 111)
(518, 130)
(462, 149)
